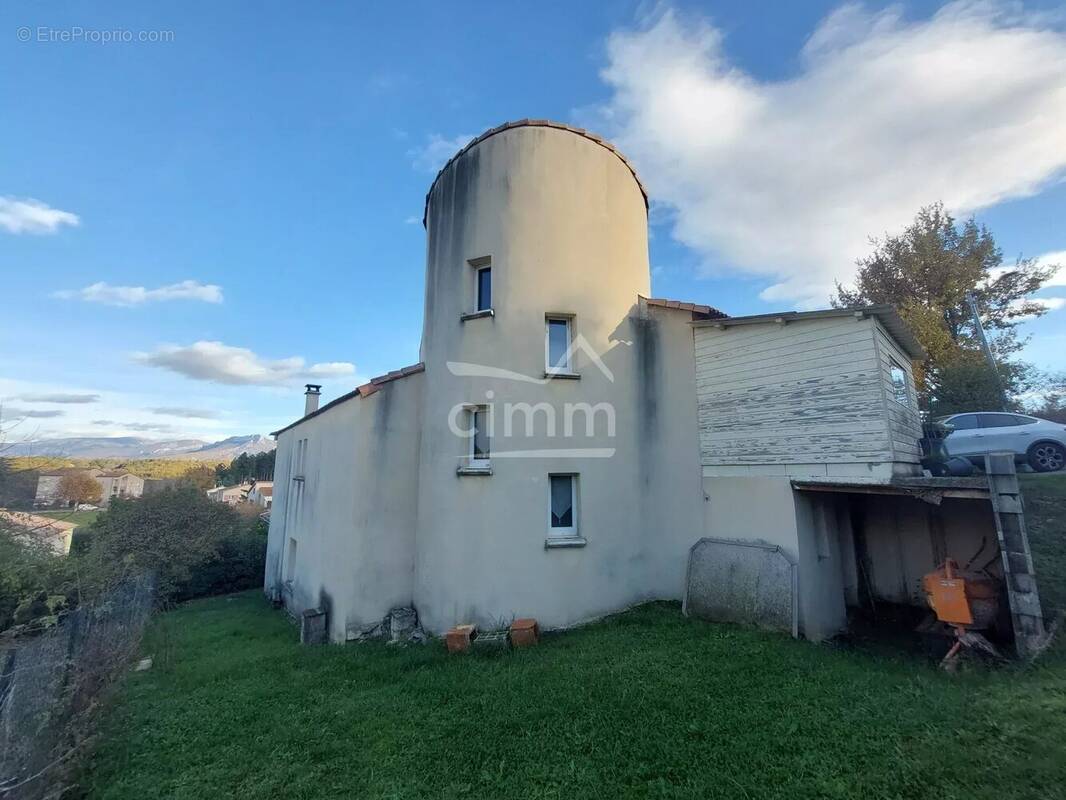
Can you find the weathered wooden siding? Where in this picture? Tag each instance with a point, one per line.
(809, 392)
(905, 426)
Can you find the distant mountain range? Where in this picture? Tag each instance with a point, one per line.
(135, 447)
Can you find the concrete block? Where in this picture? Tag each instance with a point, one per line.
(314, 627)
(742, 581)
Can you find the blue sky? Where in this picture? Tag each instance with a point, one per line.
(261, 175)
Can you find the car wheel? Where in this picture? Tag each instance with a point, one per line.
(1047, 457)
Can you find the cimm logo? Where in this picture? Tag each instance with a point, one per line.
(495, 429)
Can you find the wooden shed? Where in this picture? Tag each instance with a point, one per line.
(808, 393)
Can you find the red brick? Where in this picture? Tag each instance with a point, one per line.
(525, 632)
(458, 638)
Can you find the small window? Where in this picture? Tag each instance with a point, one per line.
(479, 440)
(484, 288)
(557, 344)
(563, 505)
(899, 384)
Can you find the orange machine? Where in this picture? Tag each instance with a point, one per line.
(967, 601)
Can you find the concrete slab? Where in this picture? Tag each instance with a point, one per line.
(742, 581)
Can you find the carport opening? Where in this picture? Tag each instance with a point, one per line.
(871, 552)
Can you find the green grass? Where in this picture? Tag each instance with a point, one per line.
(646, 704)
(1045, 516)
(76, 517)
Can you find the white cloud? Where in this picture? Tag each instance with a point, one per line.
(143, 427)
(221, 363)
(435, 153)
(137, 295)
(184, 413)
(32, 216)
(1047, 303)
(1048, 259)
(60, 397)
(13, 413)
(788, 179)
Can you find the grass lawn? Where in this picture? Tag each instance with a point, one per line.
(75, 517)
(646, 704)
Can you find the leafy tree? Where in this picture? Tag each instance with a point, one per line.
(1053, 404)
(79, 487)
(201, 476)
(927, 272)
(30, 569)
(246, 467)
(18, 487)
(173, 534)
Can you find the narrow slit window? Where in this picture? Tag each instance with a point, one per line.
(563, 512)
(479, 442)
(484, 289)
(290, 566)
(558, 344)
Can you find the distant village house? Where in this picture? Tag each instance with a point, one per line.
(231, 495)
(113, 483)
(55, 533)
(261, 493)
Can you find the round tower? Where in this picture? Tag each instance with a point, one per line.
(537, 251)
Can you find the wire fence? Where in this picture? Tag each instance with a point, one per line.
(51, 686)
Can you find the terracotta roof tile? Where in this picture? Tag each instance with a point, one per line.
(365, 390)
(701, 311)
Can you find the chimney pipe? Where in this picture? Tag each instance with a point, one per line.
(311, 398)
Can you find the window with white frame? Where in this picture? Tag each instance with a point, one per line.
(898, 377)
(557, 337)
(562, 505)
(478, 418)
(479, 299)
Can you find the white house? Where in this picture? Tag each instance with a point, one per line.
(231, 495)
(261, 493)
(119, 483)
(56, 534)
(564, 440)
(113, 483)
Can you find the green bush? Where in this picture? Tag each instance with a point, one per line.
(238, 566)
(30, 571)
(192, 545)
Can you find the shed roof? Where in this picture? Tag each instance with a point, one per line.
(35, 521)
(886, 314)
(535, 123)
(367, 389)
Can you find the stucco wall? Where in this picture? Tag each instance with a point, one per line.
(353, 514)
(564, 223)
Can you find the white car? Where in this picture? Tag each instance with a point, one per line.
(1039, 443)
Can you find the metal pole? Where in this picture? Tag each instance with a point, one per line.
(972, 301)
